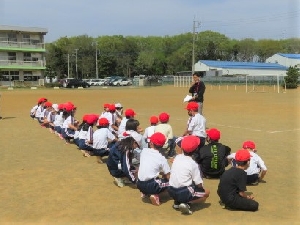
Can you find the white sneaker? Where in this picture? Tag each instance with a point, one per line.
(185, 209)
(119, 182)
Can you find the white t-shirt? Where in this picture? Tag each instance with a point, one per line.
(197, 125)
(68, 121)
(101, 137)
(111, 117)
(148, 133)
(151, 164)
(39, 111)
(59, 120)
(33, 109)
(184, 171)
(256, 163)
(122, 127)
(86, 135)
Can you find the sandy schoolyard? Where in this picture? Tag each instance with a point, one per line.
(44, 181)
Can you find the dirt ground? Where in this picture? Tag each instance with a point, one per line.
(44, 181)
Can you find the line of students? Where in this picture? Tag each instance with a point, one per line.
(136, 158)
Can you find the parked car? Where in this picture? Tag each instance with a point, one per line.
(75, 83)
(97, 82)
(117, 82)
(111, 81)
(126, 82)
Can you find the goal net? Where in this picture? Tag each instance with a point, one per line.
(265, 83)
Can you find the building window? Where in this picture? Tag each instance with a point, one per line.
(12, 56)
(27, 56)
(26, 38)
(9, 75)
(12, 37)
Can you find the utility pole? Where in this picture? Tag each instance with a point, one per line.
(68, 65)
(76, 63)
(196, 25)
(97, 75)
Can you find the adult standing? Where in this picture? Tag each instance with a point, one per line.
(197, 90)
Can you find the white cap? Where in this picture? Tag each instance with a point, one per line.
(118, 105)
(136, 136)
(55, 107)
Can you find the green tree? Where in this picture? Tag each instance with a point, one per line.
(291, 79)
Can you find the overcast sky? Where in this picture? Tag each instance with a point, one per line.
(258, 19)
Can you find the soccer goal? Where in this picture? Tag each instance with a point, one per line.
(265, 83)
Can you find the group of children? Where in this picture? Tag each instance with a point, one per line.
(141, 157)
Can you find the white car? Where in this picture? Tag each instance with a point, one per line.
(122, 82)
(126, 82)
(97, 82)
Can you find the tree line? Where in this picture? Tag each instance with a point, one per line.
(153, 55)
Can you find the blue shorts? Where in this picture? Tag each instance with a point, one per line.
(186, 194)
(153, 186)
(68, 133)
(58, 129)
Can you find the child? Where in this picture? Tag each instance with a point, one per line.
(70, 125)
(51, 117)
(47, 110)
(232, 186)
(186, 184)
(153, 164)
(129, 114)
(213, 156)
(59, 120)
(257, 169)
(85, 136)
(38, 112)
(102, 139)
(119, 162)
(150, 130)
(132, 126)
(165, 128)
(119, 113)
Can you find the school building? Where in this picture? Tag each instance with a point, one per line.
(22, 54)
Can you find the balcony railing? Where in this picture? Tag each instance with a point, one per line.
(19, 63)
(13, 44)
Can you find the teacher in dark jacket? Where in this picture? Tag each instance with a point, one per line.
(197, 90)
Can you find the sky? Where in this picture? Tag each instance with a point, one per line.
(237, 19)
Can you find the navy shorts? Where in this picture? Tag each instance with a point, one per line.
(153, 186)
(186, 194)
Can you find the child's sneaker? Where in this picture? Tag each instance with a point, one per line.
(154, 200)
(119, 182)
(176, 205)
(185, 209)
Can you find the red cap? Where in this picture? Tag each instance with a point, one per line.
(154, 119)
(103, 122)
(106, 105)
(192, 106)
(213, 134)
(91, 119)
(164, 117)
(112, 108)
(158, 139)
(68, 107)
(190, 143)
(61, 106)
(129, 112)
(42, 100)
(48, 104)
(249, 144)
(84, 118)
(242, 155)
(70, 103)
